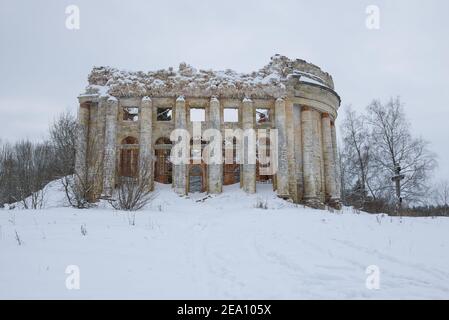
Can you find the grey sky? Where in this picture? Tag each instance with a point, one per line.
(44, 66)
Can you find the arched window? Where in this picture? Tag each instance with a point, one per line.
(163, 166)
(130, 141)
(129, 157)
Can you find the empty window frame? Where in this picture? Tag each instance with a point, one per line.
(262, 116)
(197, 115)
(130, 114)
(164, 114)
(231, 115)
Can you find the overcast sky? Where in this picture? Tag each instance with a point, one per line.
(44, 65)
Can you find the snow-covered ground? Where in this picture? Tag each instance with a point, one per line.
(222, 247)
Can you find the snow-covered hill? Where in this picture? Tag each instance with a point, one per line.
(220, 247)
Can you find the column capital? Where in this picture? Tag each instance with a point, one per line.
(305, 108)
(214, 101)
(112, 100)
(85, 105)
(280, 100)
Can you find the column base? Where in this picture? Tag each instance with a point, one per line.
(180, 192)
(106, 196)
(284, 196)
(334, 203)
(314, 203)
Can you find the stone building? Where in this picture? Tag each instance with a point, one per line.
(126, 119)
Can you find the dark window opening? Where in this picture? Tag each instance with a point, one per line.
(164, 114)
(262, 116)
(130, 113)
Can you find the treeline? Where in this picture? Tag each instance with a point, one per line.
(26, 166)
(374, 143)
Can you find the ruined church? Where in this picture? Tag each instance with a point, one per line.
(126, 118)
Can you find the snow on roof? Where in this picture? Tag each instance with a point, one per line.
(268, 81)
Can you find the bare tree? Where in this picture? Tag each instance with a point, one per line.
(393, 146)
(441, 196)
(6, 175)
(63, 139)
(133, 193)
(77, 194)
(80, 188)
(25, 169)
(356, 156)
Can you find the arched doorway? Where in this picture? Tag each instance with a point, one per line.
(129, 156)
(231, 167)
(162, 165)
(197, 167)
(197, 178)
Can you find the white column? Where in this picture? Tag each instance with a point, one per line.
(248, 166)
(310, 188)
(110, 146)
(282, 171)
(337, 195)
(297, 141)
(145, 141)
(215, 170)
(82, 139)
(180, 170)
(328, 154)
(318, 155)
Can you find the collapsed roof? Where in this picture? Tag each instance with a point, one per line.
(268, 81)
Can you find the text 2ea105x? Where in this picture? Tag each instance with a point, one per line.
(232, 309)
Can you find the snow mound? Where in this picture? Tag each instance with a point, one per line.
(221, 247)
(51, 196)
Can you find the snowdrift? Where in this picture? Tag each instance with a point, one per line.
(220, 247)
